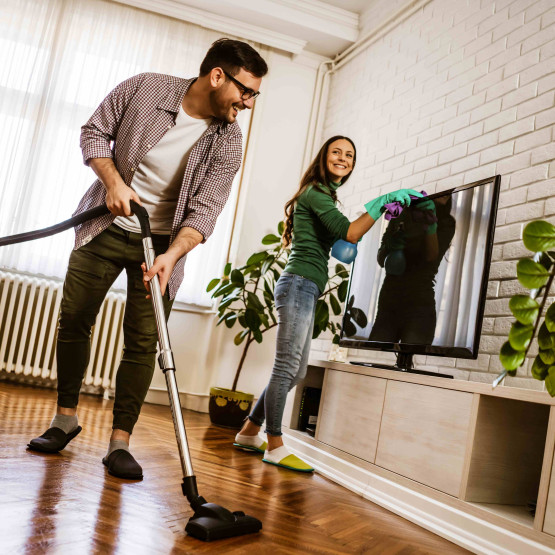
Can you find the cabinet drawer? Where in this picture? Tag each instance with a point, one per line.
(424, 433)
(350, 413)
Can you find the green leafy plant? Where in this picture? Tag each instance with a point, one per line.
(247, 297)
(537, 274)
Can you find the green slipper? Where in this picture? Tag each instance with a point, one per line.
(291, 462)
(260, 449)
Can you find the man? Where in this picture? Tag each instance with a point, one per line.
(174, 146)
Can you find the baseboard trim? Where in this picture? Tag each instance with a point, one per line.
(441, 518)
(192, 401)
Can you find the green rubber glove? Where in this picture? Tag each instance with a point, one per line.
(376, 207)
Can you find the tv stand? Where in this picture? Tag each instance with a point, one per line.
(404, 364)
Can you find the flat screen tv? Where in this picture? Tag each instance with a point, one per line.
(418, 284)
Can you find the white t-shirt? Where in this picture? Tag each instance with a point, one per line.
(158, 178)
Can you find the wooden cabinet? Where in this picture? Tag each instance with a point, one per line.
(424, 434)
(350, 413)
(460, 458)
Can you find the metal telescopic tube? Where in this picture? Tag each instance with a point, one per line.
(166, 362)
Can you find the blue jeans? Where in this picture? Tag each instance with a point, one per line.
(295, 298)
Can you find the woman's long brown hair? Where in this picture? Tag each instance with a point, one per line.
(317, 176)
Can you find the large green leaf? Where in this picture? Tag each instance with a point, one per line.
(256, 258)
(322, 313)
(520, 336)
(524, 308)
(341, 271)
(225, 303)
(342, 291)
(212, 284)
(254, 302)
(546, 340)
(266, 266)
(539, 236)
(231, 319)
(281, 228)
(510, 359)
(547, 356)
(227, 269)
(224, 290)
(550, 318)
(268, 298)
(240, 336)
(335, 306)
(550, 381)
(237, 277)
(252, 319)
(270, 239)
(267, 288)
(539, 369)
(257, 334)
(531, 274)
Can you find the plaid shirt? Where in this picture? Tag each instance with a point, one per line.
(127, 124)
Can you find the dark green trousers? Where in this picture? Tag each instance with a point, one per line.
(92, 269)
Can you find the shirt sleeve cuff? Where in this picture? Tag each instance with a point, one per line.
(204, 227)
(96, 150)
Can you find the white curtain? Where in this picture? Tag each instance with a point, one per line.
(459, 279)
(59, 60)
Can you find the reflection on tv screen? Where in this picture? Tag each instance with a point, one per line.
(418, 278)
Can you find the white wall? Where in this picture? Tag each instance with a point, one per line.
(206, 356)
(460, 91)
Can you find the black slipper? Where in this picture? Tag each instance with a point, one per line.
(53, 440)
(122, 464)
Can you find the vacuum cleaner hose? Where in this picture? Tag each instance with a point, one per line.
(57, 228)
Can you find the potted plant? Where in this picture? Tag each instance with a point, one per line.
(537, 274)
(246, 298)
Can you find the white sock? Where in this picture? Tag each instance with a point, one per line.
(251, 441)
(276, 455)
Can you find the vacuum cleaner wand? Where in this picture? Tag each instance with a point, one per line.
(209, 521)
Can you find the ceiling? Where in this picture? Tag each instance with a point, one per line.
(323, 27)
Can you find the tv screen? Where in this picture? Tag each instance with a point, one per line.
(418, 284)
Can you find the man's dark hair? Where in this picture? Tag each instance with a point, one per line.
(232, 55)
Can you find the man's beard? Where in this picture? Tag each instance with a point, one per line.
(218, 109)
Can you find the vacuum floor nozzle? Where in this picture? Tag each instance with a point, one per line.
(212, 522)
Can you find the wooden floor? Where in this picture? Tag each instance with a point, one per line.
(67, 503)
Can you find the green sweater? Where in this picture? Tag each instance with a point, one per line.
(317, 224)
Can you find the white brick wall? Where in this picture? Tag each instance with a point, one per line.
(459, 91)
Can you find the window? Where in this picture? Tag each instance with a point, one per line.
(60, 59)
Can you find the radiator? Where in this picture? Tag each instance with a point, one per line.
(29, 309)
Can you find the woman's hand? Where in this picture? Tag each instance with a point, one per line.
(376, 207)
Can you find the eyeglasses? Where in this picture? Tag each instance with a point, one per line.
(246, 93)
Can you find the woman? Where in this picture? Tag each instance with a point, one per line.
(313, 223)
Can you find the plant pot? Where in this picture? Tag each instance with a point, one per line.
(229, 408)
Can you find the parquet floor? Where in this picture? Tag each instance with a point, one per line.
(68, 504)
